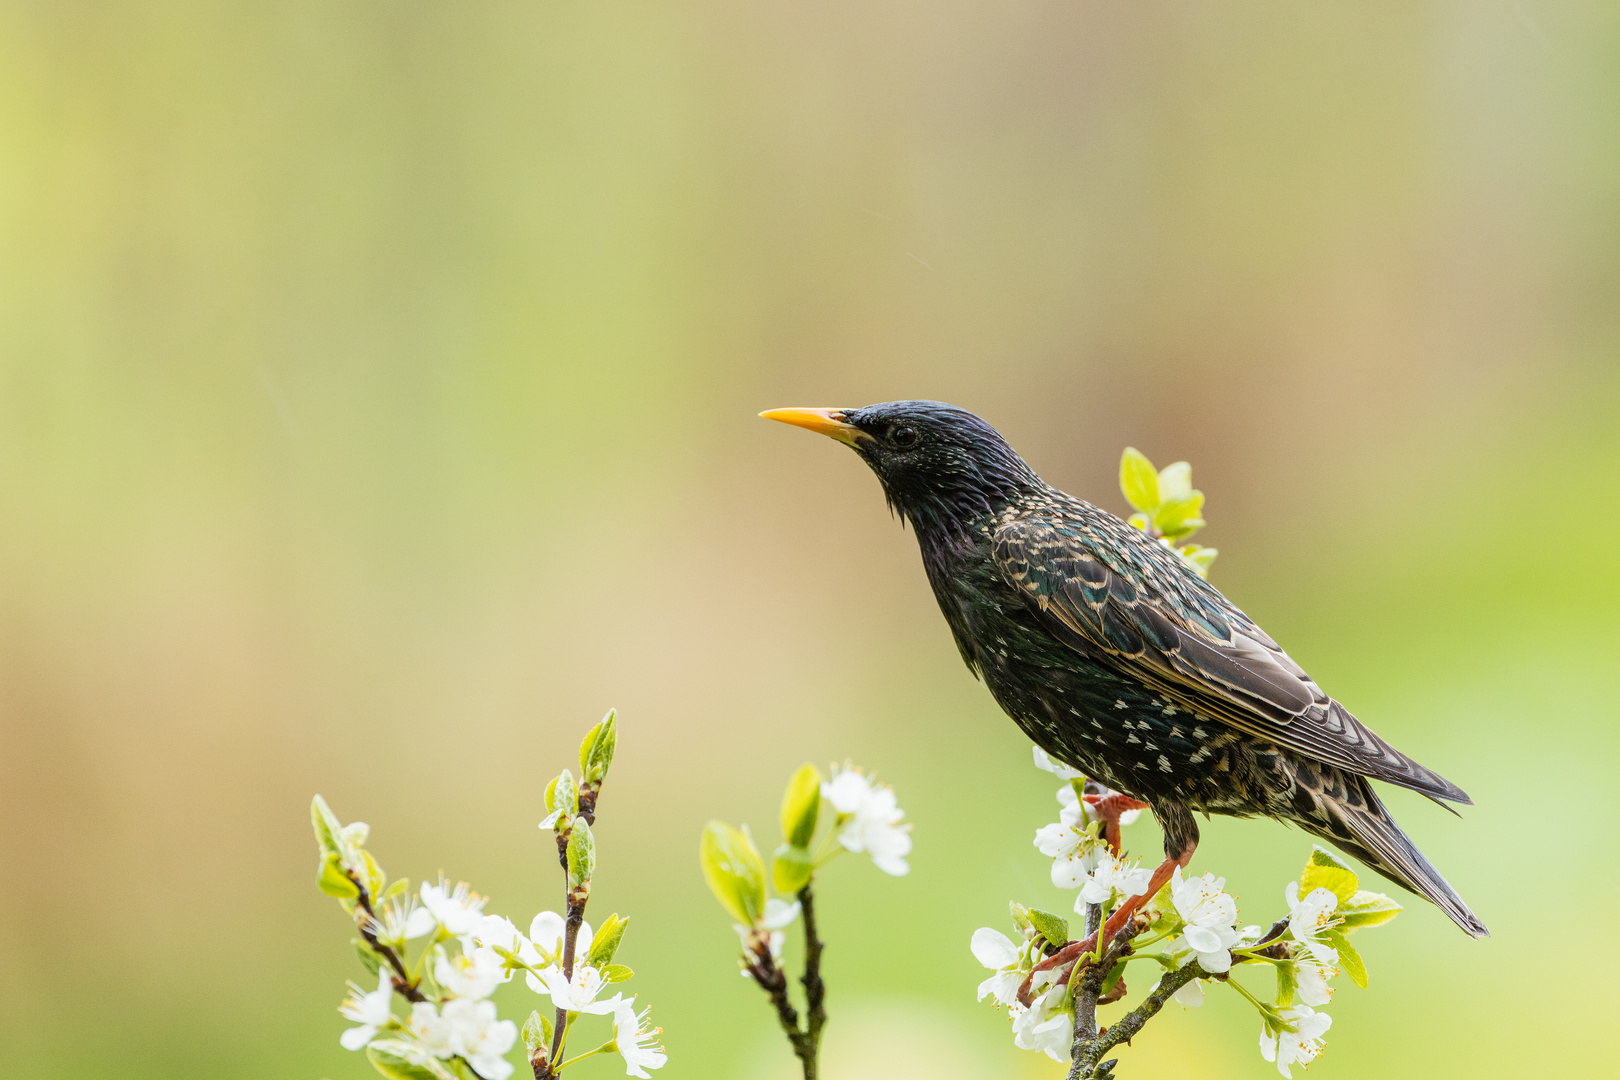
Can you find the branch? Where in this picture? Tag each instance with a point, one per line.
(402, 979)
(815, 992)
(1087, 1055)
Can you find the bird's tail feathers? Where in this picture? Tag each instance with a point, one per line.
(1370, 834)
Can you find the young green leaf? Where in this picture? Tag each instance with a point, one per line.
(1366, 909)
(565, 796)
(1054, 928)
(617, 973)
(606, 941)
(1138, 480)
(368, 955)
(1175, 481)
(596, 752)
(333, 881)
(536, 1033)
(1020, 916)
(326, 825)
(734, 870)
(1349, 959)
(1174, 516)
(392, 1058)
(1285, 985)
(1325, 870)
(791, 867)
(581, 854)
(801, 802)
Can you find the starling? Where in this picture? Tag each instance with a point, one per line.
(1115, 657)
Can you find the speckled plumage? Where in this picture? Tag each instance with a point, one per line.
(1114, 656)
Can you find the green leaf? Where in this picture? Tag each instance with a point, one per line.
(1325, 870)
(1138, 480)
(1285, 985)
(1111, 981)
(536, 1033)
(397, 887)
(551, 793)
(1140, 521)
(326, 825)
(1020, 916)
(801, 802)
(581, 854)
(376, 880)
(1366, 909)
(1349, 959)
(734, 871)
(333, 881)
(1201, 558)
(1054, 928)
(1174, 514)
(565, 796)
(387, 1056)
(791, 867)
(368, 955)
(606, 941)
(1175, 481)
(596, 752)
(616, 973)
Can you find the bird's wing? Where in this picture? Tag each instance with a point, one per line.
(1203, 656)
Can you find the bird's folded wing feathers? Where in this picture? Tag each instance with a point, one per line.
(1216, 662)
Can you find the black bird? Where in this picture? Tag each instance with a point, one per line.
(1115, 657)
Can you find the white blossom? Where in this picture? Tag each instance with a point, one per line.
(1045, 1026)
(869, 817)
(1063, 772)
(577, 994)
(1311, 980)
(547, 932)
(457, 910)
(431, 1031)
(370, 1010)
(474, 973)
(1001, 955)
(1308, 917)
(1190, 995)
(1073, 851)
(478, 1036)
(1109, 875)
(1209, 912)
(399, 920)
(636, 1042)
(1299, 1046)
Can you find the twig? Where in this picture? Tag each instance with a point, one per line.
(402, 979)
(576, 899)
(815, 992)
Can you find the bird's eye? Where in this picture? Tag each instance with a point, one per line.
(903, 437)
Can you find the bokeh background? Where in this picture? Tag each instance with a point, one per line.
(377, 394)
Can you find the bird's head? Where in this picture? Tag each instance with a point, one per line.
(940, 466)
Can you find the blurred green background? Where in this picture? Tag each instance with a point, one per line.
(377, 393)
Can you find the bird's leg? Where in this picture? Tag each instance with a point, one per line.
(1107, 808)
(1074, 950)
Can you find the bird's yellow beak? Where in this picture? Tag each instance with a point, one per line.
(829, 422)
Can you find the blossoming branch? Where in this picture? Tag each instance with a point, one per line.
(451, 1030)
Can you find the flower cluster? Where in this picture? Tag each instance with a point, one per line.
(865, 817)
(1193, 920)
(465, 954)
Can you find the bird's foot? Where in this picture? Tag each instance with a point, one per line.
(1107, 806)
